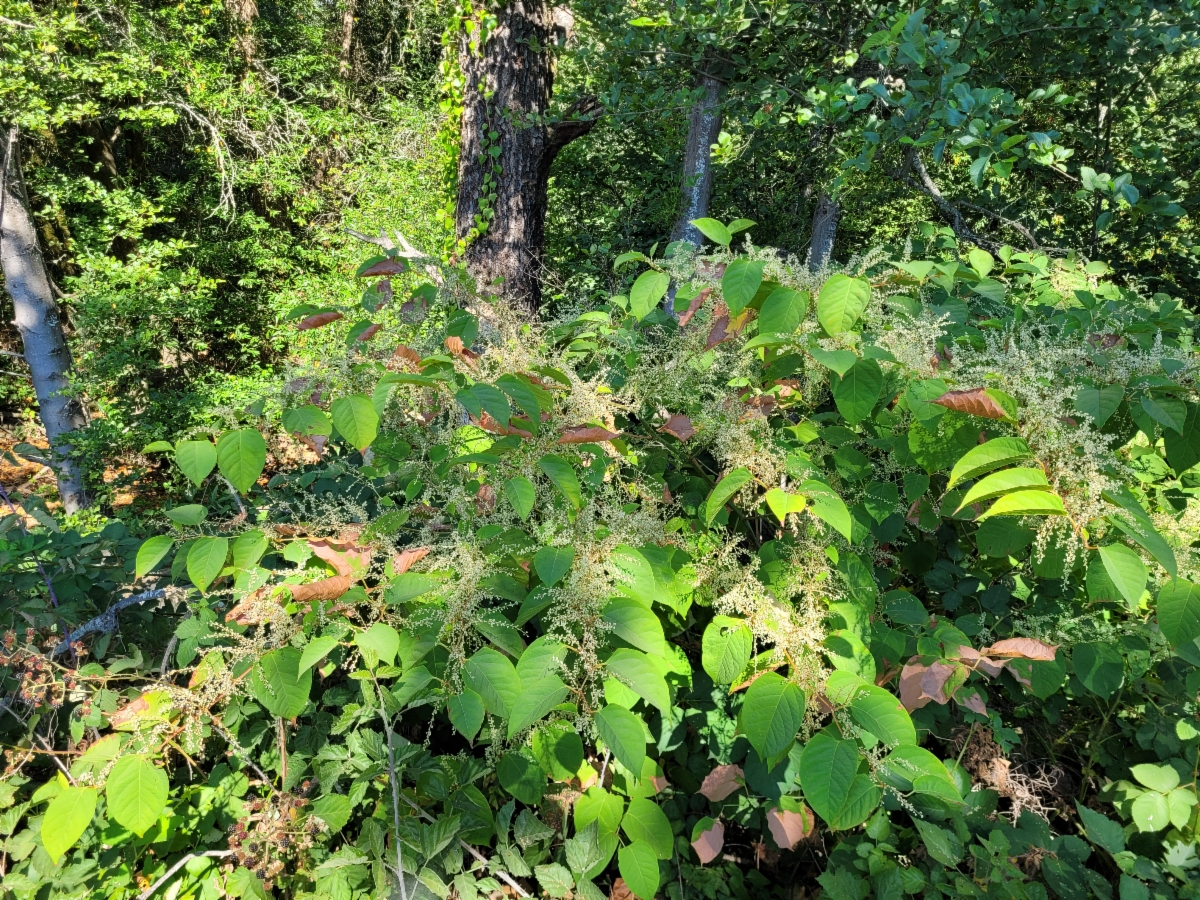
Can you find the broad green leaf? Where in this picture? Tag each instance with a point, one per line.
(522, 777)
(190, 514)
(1026, 503)
(555, 880)
(636, 670)
(782, 311)
(782, 503)
(381, 641)
(1101, 830)
(841, 301)
(881, 713)
(196, 459)
(279, 685)
(536, 699)
(466, 713)
(623, 734)
(1099, 666)
(857, 392)
(1141, 529)
(493, 402)
(558, 749)
(840, 361)
(206, 559)
(981, 261)
(1005, 482)
(827, 770)
(1183, 448)
(334, 810)
(645, 821)
(521, 495)
(944, 846)
(638, 864)
(725, 489)
(151, 553)
(1150, 812)
(136, 793)
(599, 806)
(307, 421)
(1162, 778)
(772, 714)
(158, 447)
(1126, 570)
(635, 624)
(741, 225)
(827, 506)
(526, 398)
(552, 563)
(543, 657)
(493, 677)
(1179, 612)
(740, 283)
(647, 291)
(66, 819)
(241, 456)
(1167, 412)
(248, 549)
(726, 648)
(1099, 403)
(562, 475)
(713, 230)
(356, 420)
(987, 457)
(315, 651)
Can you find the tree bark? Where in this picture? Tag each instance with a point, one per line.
(345, 66)
(704, 128)
(824, 232)
(503, 180)
(38, 320)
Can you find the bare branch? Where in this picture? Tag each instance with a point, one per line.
(107, 621)
(145, 895)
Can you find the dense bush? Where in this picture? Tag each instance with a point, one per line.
(878, 581)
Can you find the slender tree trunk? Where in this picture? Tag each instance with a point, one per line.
(38, 320)
(505, 152)
(345, 66)
(244, 14)
(824, 232)
(704, 128)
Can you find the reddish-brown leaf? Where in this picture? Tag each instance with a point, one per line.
(974, 402)
(1022, 648)
(620, 891)
(319, 320)
(485, 499)
(1104, 341)
(658, 782)
(708, 845)
(679, 426)
(710, 269)
(369, 332)
(694, 307)
(761, 404)
(406, 559)
(587, 434)
(383, 288)
(408, 355)
(385, 267)
(790, 828)
(721, 782)
(971, 699)
(250, 610)
(315, 443)
(972, 658)
(910, 686)
(296, 385)
(726, 328)
(933, 682)
(788, 386)
(413, 311)
(325, 589)
(129, 712)
(490, 425)
(343, 556)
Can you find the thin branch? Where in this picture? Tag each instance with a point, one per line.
(106, 622)
(234, 493)
(13, 23)
(144, 895)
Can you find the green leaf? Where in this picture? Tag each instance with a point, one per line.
(1101, 830)
(1005, 482)
(525, 396)
(649, 288)
(248, 549)
(1141, 530)
(552, 563)
(782, 311)
(521, 495)
(623, 734)
(1150, 812)
(987, 457)
(1166, 411)
(307, 421)
(535, 700)
(943, 845)
(772, 714)
(726, 648)
(1099, 666)
(841, 301)
(638, 865)
(828, 767)
(196, 459)
(1183, 447)
(158, 447)
(555, 880)
(1126, 570)
(635, 625)
(558, 749)
(136, 793)
(334, 810)
(635, 669)
(241, 456)
(713, 230)
(840, 361)
(599, 806)
(741, 225)
(1099, 403)
(493, 677)
(1179, 612)
(1026, 503)
(493, 402)
(881, 713)
(562, 476)
(981, 261)
(190, 514)
(151, 553)
(740, 283)
(645, 821)
(315, 651)
(783, 503)
(279, 685)
(206, 559)
(1163, 779)
(381, 641)
(466, 713)
(522, 777)
(356, 420)
(725, 489)
(827, 506)
(857, 392)
(66, 819)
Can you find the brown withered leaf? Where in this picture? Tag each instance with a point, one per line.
(761, 404)
(720, 327)
(129, 712)
(485, 499)
(694, 307)
(620, 891)
(345, 558)
(658, 782)
(910, 686)
(385, 267)
(413, 312)
(721, 782)
(587, 434)
(678, 426)
(973, 659)
(455, 345)
(251, 610)
(974, 402)
(787, 387)
(708, 845)
(296, 385)
(933, 682)
(1104, 341)
(319, 320)
(1022, 648)
(325, 589)
(971, 699)
(369, 332)
(490, 425)
(790, 828)
(710, 269)
(408, 355)
(383, 288)
(407, 558)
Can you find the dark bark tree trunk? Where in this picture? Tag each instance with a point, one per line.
(503, 180)
(824, 232)
(244, 13)
(704, 128)
(38, 319)
(345, 62)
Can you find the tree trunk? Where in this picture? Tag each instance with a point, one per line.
(244, 13)
(345, 66)
(704, 128)
(37, 318)
(824, 232)
(500, 214)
